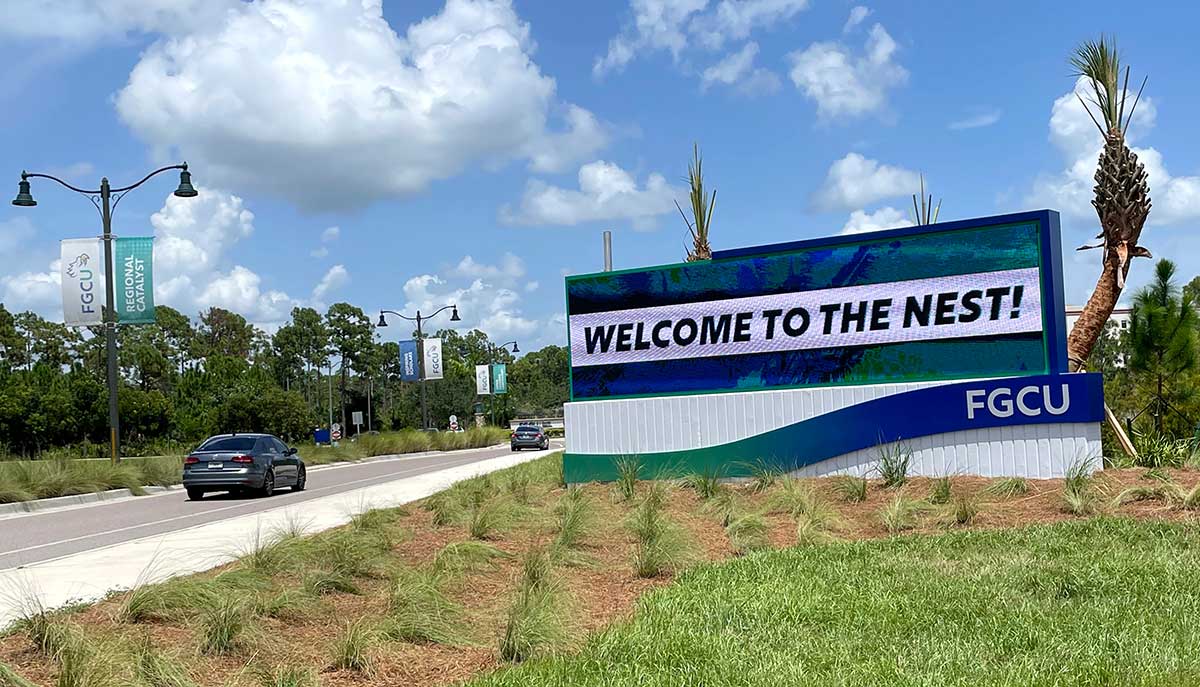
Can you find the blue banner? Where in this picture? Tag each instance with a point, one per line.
(409, 361)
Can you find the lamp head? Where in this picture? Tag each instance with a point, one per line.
(454, 315)
(185, 190)
(515, 349)
(24, 199)
(382, 321)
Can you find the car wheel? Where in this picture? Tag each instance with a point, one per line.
(195, 494)
(268, 486)
(300, 480)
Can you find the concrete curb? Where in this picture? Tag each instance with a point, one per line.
(77, 499)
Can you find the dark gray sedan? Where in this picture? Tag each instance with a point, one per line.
(242, 463)
(529, 436)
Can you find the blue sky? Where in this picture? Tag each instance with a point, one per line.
(474, 151)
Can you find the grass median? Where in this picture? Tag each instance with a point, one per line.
(26, 480)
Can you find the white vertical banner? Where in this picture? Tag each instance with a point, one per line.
(483, 380)
(433, 358)
(82, 271)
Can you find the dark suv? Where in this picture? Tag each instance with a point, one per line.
(241, 463)
(529, 436)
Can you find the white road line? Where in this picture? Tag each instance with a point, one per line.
(385, 477)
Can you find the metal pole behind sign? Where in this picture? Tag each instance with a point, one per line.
(607, 251)
(110, 326)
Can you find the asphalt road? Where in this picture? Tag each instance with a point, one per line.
(36, 537)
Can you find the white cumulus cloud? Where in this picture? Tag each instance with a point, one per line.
(606, 193)
(86, 21)
(856, 181)
(845, 84)
(337, 277)
(884, 218)
(324, 104)
(737, 70)
(858, 14)
(676, 26)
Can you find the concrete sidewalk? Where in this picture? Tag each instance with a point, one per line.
(90, 575)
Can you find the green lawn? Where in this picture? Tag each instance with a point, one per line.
(1100, 602)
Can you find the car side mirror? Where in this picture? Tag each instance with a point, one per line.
(290, 452)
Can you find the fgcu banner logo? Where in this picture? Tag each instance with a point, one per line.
(966, 300)
(82, 272)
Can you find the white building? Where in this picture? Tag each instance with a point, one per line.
(1120, 316)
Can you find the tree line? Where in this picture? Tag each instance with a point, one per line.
(181, 381)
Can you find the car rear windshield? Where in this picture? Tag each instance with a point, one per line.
(229, 444)
(528, 428)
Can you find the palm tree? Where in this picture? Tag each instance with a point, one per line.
(925, 213)
(1122, 194)
(702, 209)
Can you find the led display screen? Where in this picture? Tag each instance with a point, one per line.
(973, 299)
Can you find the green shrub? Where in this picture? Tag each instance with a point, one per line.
(628, 470)
(223, 627)
(963, 510)
(419, 612)
(352, 648)
(661, 546)
(899, 514)
(289, 676)
(171, 600)
(850, 489)
(748, 533)
(487, 519)
(157, 670)
(940, 491)
(894, 460)
(763, 476)
(324, 582)
(10, 678)
(574, 519)
(465, 555)
(1008, 487)
(535, 624)
(706, 484)
(1162, 451)
(1080, 495)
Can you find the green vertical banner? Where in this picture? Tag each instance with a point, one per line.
(499, 378)
(133, 269)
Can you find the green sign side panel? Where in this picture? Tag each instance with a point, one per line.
(133, 287)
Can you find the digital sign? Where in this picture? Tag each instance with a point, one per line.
(964, 300)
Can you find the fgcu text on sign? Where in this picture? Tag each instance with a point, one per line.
(862, 336)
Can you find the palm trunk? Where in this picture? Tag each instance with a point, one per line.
(1090, 325)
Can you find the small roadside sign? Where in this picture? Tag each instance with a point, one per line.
(336, 432)
(453, 423)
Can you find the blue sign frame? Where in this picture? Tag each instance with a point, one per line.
(1051, 349)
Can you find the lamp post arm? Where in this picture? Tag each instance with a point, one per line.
(36, 175)
(439, 310)
(148, 177)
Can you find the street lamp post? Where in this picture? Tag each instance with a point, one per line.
(106, 200)
(419, 318)
(494, 349)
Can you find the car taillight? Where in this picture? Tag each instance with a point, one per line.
(512, 436)
(191, 460)
(242, 459)
(539, 435)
